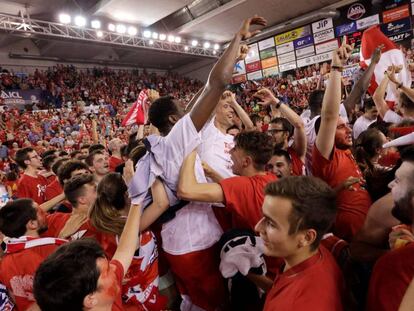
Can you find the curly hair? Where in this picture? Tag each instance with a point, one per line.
(159, 112)
(256, 144)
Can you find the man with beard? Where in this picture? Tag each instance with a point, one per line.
(394, 271)
(22, 221)
(282, 130)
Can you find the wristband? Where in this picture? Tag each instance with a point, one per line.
(338, 68)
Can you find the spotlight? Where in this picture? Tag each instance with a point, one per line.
(214, 52)
(163, 37)
(120, 28)
(147, 34)
(151, 42)
(186, 48)
(64, 18)
(177, 40)
(216, 46)
(80, 21)
(206, 45)
(96, 24)
(171, 38)
(194, 43)
(155, 35)
(99, 34)
(111, 27)
(132, 31)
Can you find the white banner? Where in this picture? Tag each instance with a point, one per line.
(323, 36)
(253, 54)
(268, 43)
(314, 59)
(326, 47)
(308, 51)
(367, 21)
(255, 75)
(286, 58)
(288, 66)
(323, 24)
(270, 71)
(284, 48)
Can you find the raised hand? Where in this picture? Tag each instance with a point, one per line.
(244, 49)
(376, 55)
(266, 96)
(128, 171)
(341, 54)
(391, 71)
(245, 30)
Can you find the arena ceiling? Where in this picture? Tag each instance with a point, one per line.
(214, 20)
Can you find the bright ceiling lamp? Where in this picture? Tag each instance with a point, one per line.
(147, 34)
(120, 28)
(111, 27)
(206, 45)
(80, 21)
(194, 43)
(216, 46)
(95, 24)
(64, 18)
(151, 42)
(163, 37)
(99, 34)
(177, 40)
(186, 48)
(155, 35)
(132, 31)
(171, 38)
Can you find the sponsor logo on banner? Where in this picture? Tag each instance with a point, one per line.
(268, 53)
(393, 28)
(255, 75)
(323, 24)
(303, 42)
(349, 71)
(284, 48)
(239, 68)
(286, 58)
(401, 37)
(314, 59)
(239, 79)
(395, 14)
(345, 29)
(308, 51)
(20, 97)
(356, 11)
(268, 72)
(269, 62)
(288, 66)
(326, 47)
(367, 21)
(293, 35)
(264, 44)
(323, 36)
(253, 66)
(253, 54)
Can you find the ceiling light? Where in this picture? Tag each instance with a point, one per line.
(206, 45)
(214, 52)
(95, 24)
(216, 46)
(151, 42)
(99, 34)
(120, 28)
(194, 43)
(177, 40)
(186, 48)
(80, 21)
(132, 31)
(163, 37)
(111, 27)
(155, 35)
(64, 18)
(171, 38)
(147, 34)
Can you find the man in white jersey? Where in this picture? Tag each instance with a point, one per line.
(189, 237)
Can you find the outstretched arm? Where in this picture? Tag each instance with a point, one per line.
(331, 102)
(379, 96)
(221, 74)
(189, 189)
(362, 84)
(244, 117)
(158, 206)
(406, 90)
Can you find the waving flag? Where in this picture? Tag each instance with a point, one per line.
(391, 55)
(138, 114)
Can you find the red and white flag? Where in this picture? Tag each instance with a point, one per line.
(138, 114)
(391, 55)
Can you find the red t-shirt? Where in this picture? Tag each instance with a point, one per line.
(314, 284)
(53, 190)
(390, 278)
(298, 167)
(244, 197)
(56, 222)
(17, 272)
(119, 272)
(352, 205)
(32, 187)
(114, 162)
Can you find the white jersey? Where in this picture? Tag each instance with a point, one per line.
(310, 139)
(194, 226)
(215, 149)
(392, 117)
(361, 124)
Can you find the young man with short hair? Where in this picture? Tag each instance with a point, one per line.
(297, 212)
(280, 163)
(31, 184)
(363, 122)
(78, 276)
(115, 159)
(22, 221)
(98, 164)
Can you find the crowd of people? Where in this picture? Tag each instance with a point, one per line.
(277, 194)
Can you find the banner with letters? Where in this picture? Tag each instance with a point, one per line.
(20, 97)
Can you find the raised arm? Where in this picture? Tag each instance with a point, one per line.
(331, 102)
(379, 96)
(391, 75)
(244, 117)
(193, 100)
(189, 189)
(158, 206)
(362, 84)
(221, 74)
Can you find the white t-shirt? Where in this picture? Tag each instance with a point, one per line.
(311, 138)
(392, 117)
(360, 125)
(215, 149)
